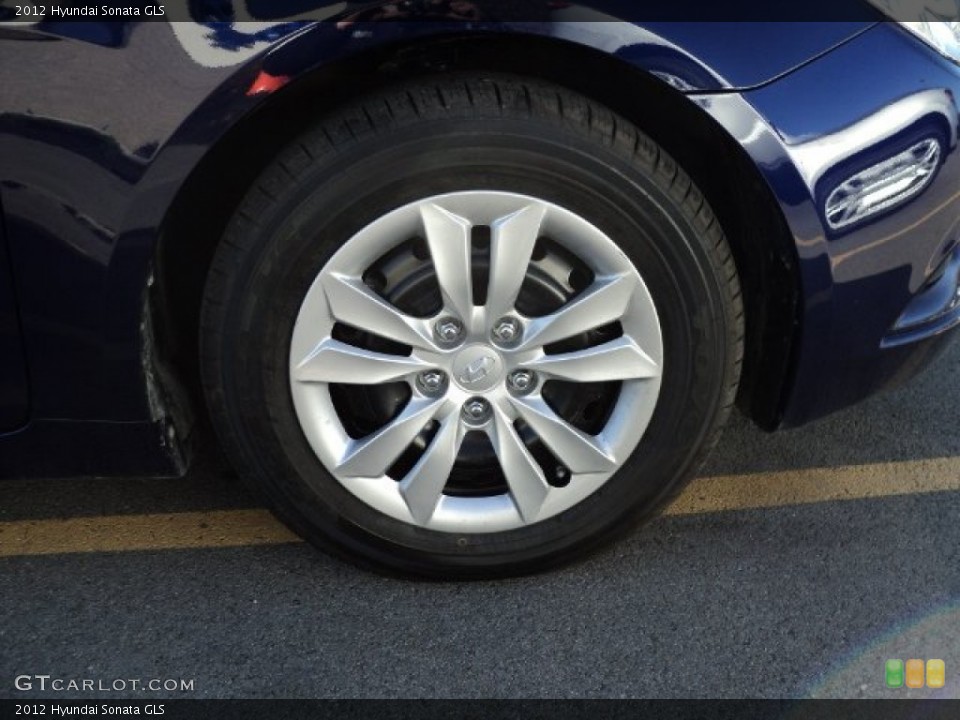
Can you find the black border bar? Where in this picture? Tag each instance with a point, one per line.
(488, 709)
(485, 11)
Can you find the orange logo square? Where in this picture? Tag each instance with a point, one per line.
(914, 673)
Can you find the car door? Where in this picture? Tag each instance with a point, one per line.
(13, 371)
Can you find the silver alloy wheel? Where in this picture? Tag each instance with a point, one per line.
(478, 389)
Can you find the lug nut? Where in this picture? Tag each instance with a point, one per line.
(432, 382)
(476, 411)
(506, 331)
(521, 382)
(448, 331)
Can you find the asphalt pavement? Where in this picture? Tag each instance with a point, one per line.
(794, 567)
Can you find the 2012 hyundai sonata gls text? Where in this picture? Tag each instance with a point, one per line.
(471, 291)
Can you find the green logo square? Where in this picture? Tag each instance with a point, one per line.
(894, 673)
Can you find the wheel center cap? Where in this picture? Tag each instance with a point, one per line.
(477, 368)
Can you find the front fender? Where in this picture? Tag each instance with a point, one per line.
(99, 137)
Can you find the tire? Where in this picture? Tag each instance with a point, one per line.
(472, 141)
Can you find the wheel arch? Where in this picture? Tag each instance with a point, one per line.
(753, 223)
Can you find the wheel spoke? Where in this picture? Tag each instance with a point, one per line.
(335, 362)
(353, 303)
(511, 245)
(373, 455)
(448, 237)
(423, 485)
(528, 486)
(602, 303)
(620, 359)
(580, 452)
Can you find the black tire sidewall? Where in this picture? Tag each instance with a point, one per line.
(284, 250)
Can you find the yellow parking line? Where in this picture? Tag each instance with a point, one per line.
(817, 485)
(234, 528)
(221, 528)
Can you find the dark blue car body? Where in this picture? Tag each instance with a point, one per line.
(124, 147)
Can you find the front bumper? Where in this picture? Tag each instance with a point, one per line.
(880, 288)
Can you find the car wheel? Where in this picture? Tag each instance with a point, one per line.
(472, 326)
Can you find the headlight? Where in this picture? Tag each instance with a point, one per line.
(936, 22)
